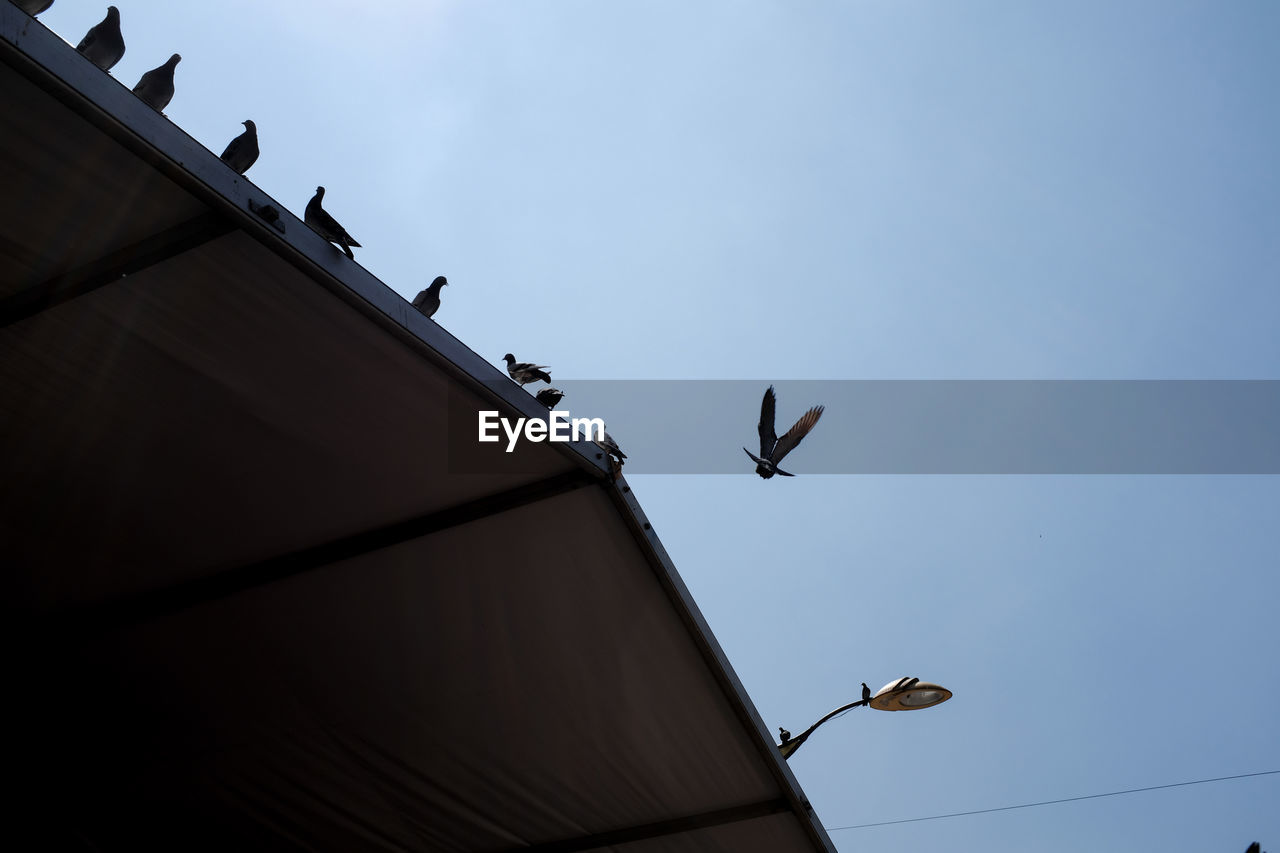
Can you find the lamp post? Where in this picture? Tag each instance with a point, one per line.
(905, 694)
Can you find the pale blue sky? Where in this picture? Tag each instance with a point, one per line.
(876, 190)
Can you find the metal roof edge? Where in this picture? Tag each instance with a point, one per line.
(54, 65)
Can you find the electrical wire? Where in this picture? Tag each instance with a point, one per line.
(1052, 802)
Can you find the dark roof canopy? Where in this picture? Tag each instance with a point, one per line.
(255, 599)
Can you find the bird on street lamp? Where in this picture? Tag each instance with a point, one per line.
(905, 694)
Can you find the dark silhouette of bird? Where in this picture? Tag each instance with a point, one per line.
(242, 152)
(549, 397)
(326, 226)
(156, 86)
(784, 734)
(908, 683)
(772, 448)
(33, 7)
(428, 301)
(525, 372)
(1255, 847)
(611, 447)
(866, 693)
(103, 45)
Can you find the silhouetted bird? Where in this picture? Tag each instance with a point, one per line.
(326, 226)
(616, 456)
(428, 301)
(33, 7)
(550, 396)
(525, 372)
(156, 86)
(908, 683)
(1255, 847)
(242, 152)
(611, 447)
(784, 734)
(772, 448)
(866, 693)
(103, 45)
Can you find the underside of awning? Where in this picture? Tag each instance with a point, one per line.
(254, 599)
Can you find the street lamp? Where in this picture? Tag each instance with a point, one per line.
(905, 694)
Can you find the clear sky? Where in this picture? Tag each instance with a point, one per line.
(853, 190)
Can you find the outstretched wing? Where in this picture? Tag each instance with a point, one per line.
(798, 431)
(768, 438)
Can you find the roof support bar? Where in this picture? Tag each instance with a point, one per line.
(110, 268)
(88, 622)
(661, 828)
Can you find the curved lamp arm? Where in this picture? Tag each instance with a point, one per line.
(905, 694)
(790, 746)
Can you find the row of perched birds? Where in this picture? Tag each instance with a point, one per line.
(103, 45)
(772, 448)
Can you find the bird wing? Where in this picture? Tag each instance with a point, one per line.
(233, 148)
(419, 299)
(89, 38)
(768, 438)
(331, 227)
(798, 430)
(613, 446)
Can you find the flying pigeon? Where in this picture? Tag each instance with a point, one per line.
(525, 372)
(103, 45)
(428, 301)
(326, 226)
(784, 734)
(866, 693)
(772, 448)
(156, 86)
(33, 7)
(550, 396)
(242, 152)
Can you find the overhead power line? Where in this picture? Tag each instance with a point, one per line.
(1052, 802)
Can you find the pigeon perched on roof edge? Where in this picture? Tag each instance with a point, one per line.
(525, 372)
(156, 86)
(549, 397)
(616, 456)
(428, 301)
(772, 448)
(611, 447)
(326, 226)
(103, 45)
(242, 152)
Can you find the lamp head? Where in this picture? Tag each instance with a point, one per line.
(909, 694)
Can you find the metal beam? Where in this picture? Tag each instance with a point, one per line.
(95, 620)
(112, 267)
(675, 826)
